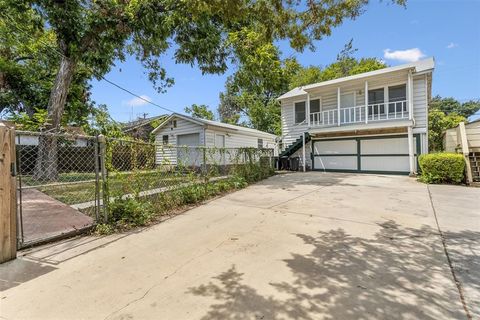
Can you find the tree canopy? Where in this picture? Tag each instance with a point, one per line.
(451, 105)
(200, 111)
(28, 69)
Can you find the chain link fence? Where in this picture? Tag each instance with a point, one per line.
(116, 179)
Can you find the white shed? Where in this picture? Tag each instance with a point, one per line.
(183, 131)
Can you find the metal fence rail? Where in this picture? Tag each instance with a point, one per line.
(86, 174)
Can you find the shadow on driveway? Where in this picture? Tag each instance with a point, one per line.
(397, 274)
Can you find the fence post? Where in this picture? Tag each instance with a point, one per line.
(8, 191)
(97, 180)
(103, 173)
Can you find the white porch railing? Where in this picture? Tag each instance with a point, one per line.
(361, 114)
(388, 111)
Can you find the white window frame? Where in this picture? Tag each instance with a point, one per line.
(295, 102)
(319, 103)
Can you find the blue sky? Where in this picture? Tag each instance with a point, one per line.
(446, 30)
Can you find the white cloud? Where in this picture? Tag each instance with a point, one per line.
(136, 102)
(452, 45)
(408, 55)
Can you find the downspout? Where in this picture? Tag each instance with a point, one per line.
(411, 153)
(303, 153)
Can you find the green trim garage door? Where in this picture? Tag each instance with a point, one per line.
(376, 154)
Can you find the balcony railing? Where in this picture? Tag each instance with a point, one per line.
(360, 114)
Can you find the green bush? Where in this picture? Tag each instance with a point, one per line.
(131, 211)
(442, 167)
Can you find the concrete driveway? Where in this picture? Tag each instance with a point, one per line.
(295, 246)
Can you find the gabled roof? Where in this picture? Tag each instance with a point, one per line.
(211, 123)
(426, 65)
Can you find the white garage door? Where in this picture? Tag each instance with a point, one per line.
(335, 154)
(387, 154)
(192, 139)
(187, 154)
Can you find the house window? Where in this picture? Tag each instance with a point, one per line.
(165, 139)
(260, 143)
(347, 100)
(299, 112)
(315, 106)
(376, 98)
(174, 123)
(397, 94)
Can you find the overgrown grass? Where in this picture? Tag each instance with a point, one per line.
(80, 187)
(140, 211)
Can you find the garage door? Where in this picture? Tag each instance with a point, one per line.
(187, 154)
(387, 154)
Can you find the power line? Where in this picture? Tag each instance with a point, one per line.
(58, 52)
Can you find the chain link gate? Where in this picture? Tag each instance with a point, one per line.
(58, 185)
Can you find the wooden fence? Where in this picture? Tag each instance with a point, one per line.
(8, 202)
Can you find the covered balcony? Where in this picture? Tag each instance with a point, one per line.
(370, 101)
(397, 110)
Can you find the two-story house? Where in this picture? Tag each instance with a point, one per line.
(374, 122)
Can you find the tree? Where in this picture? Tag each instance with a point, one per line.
(451, 105)
(102, 123)
(96, 33)
(28, 68)
(200, 111)
(438, 122)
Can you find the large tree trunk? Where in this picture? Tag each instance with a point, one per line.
(46, 168)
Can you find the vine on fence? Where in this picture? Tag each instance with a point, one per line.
(147, 180)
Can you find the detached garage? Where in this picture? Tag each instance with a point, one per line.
(177, 137)
(368, 154)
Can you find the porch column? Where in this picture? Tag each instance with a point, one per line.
(366, 101)
(411, 153)
(303, 153)
(338, 106)
(307, 111)
(410, 95)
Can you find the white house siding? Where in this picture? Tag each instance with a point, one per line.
(328, 96)
(420, 101)
(235, 140)
(290, 130)
(308, 157)
(168, 155)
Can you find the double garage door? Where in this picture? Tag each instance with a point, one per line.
(386, 154)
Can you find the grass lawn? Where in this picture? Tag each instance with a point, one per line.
(74, 187)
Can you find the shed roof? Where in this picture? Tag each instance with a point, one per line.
(205, 122)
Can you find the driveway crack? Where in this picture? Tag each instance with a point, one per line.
(449, 260)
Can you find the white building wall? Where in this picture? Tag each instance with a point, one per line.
(168, 155)
(420, 108)
(292, 131)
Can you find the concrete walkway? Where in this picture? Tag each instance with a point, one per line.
(296, 246)
(47, 218)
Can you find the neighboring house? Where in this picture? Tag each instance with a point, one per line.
(178, 132)
(141, 128)
(371, 122)
(465, 138)
(75, 136)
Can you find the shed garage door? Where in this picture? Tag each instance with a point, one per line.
(387, 154)
(187, 154)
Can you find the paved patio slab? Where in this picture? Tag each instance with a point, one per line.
(296, 246)
(47, 218)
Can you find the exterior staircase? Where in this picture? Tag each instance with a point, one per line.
(296, 145)
(474, 158)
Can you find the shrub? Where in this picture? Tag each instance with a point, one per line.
(442, 167)
(131, 211)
